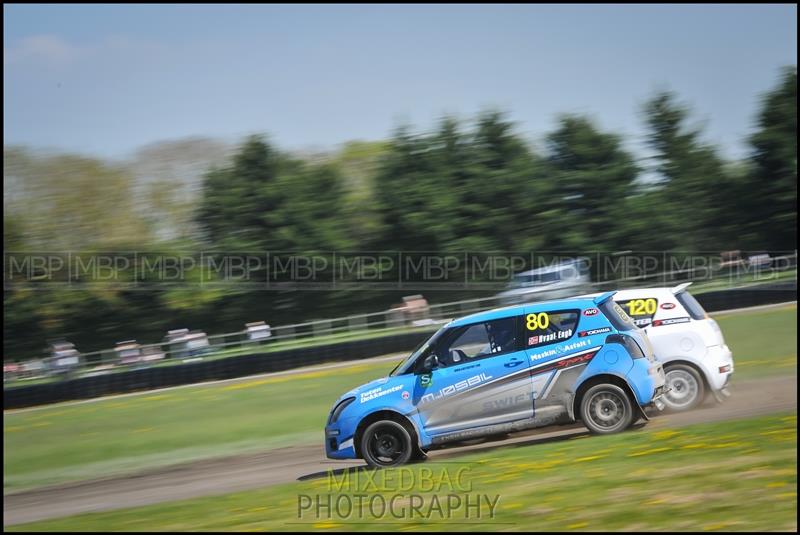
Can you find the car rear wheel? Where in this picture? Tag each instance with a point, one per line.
(606, 409)
(386, 443)
(686, 388)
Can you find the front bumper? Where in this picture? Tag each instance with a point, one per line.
(337, 444)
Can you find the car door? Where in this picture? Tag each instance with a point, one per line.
(557, 356)
(482, 379)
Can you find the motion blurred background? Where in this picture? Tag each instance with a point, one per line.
(563, 129)
(147, 133)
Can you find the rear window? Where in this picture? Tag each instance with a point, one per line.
(617, 316)
(545, 328)
(691, 305)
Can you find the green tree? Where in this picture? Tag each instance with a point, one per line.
(461, 191)
(593, 176)
(771, 191)
(267, 201)
(67, 202)
(694, 189)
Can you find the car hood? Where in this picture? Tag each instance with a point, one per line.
(366, 386)
(384, 388)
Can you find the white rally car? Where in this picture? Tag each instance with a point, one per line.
(688, 342)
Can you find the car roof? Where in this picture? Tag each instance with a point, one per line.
(632, 292)
(514, 310)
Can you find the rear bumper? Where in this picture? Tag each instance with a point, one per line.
(647, 380)
(723, 393)
(718, 367)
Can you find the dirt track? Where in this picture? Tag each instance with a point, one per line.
(230, 474)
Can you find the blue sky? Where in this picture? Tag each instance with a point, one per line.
(106, 80)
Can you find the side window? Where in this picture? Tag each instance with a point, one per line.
(640, 310)
(695, 309)
(545, 328)
(478, 341)
(617, 316)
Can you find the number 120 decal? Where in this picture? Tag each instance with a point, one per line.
(642, 307)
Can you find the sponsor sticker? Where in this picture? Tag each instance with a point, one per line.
(590, 312)
(378, 392)
(562, 349)
(405, 394)
(458, 387)
(576, 345)
(581, 334)
(545, 354)
(425, 380)
(667, 306)
(549, 337)
(576, 360)
(671, 321)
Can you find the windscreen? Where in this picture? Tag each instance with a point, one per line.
(406, 364)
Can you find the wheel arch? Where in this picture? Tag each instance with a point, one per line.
(384, 414)
(682, 361)
(604, 378)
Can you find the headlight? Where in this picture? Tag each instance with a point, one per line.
(337, 410)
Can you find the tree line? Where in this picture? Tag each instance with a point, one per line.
(477, 186)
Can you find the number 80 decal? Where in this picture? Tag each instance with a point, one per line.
(537, 321)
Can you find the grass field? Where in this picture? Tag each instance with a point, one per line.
(118, 435)
(739, 475)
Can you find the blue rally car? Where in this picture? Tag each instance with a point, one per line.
(500, 371)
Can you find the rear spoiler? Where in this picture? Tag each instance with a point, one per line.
(603, 297)
(681, 287)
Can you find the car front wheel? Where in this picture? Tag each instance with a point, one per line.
(386, 443)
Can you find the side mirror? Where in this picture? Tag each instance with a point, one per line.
(431, 362)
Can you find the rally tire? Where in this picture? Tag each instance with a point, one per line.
(386, 443)
(686, 388)
(606, 409)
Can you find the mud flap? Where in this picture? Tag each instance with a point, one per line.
(722, 394)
